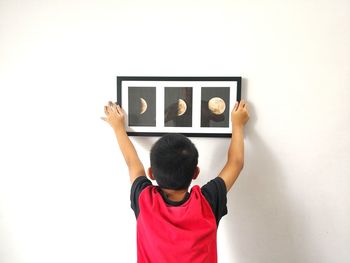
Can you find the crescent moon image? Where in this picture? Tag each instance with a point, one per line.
(217, 105)
(181, 107)
(143, 105)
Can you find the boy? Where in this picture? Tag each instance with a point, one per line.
(174, 225)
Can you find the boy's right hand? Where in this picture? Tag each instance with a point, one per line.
(235, 156)
(114, 116)
(239, 114)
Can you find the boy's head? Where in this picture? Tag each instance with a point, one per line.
(174, 160)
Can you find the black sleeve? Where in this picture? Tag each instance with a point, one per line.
(138, 185)
(215, 192)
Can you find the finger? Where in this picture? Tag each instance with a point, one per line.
(241, 104)
(120, 110)
(110, 103)
(112, 106)
(117, 108)
(106, 110)
(236, 106)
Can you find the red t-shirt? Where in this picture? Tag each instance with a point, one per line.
(183, 231)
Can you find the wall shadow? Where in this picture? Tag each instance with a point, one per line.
(145, 142)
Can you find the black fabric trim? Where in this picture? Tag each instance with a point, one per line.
(170, 202)
(216, 194)
(138, 185)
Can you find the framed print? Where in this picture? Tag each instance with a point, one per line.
(193, 106)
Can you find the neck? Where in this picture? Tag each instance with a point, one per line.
(175, 195)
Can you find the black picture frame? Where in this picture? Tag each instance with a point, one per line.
(149, 101)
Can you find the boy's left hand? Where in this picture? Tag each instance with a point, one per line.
(114, 116)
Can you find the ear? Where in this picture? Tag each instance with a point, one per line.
(196, 173)
(150, 173)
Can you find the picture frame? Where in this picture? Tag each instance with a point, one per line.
(193, 106)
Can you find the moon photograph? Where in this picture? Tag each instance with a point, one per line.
(181, 107)
(178, 107)
(142, 106)
(215, 106)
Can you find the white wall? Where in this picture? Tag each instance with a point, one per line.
(64, 191)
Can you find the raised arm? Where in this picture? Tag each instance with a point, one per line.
(235, 156)
(115, 118)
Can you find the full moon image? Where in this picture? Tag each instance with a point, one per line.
(181, 107)
(143, 105)
(217, 105)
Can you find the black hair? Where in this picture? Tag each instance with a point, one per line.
(174, 159)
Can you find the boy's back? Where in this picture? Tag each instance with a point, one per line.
(171, 230)
(174, 225)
